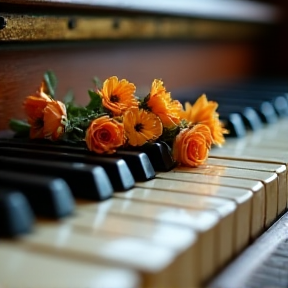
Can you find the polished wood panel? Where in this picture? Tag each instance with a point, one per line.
(179, 64)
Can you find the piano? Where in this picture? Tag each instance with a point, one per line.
(73, 221)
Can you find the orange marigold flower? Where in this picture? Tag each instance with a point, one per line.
(55, 120)
(191, 146)
(204, 112)
(141, 126)
(104, 135)
(118, 96)
(160, 103)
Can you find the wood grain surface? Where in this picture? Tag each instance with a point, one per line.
(179, 64)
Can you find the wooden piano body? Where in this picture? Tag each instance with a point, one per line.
(192, 47)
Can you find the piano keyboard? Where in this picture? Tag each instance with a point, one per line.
(115, 222)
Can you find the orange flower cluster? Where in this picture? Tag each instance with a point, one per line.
(116, 118)
(139, 125)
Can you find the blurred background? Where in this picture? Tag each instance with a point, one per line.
(185, 43)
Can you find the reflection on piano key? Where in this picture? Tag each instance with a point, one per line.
(268, 179)
(279, 169)
(204, 222)
(258, 200)
(179, 239)
(28, 267)
(152, 261)
(225, 209)
(242, 197)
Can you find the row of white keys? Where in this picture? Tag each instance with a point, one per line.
(153, 263)
(242, 197)
(268, 179)
(179, 239)
(279, 169)
(28, 268)
(224, 208)
(204, 223)
(209, 217)
(258, 199)
(265, 155)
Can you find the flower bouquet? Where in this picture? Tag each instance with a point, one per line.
(116, 119)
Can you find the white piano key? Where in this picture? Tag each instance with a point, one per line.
(153, 262)
(279, 169)
(24, 267)
(181, 239)
(258, 200)
(242, 197)
(265, 155)
(205, 223)
(224, 208)
(269, 180)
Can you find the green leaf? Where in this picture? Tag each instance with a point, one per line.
(20, 127)
(169, 134)
(50, 82)
(98, 83)
(95, 103)
(69, 97)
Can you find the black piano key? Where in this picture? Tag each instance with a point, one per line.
(234, 123)
(117, 169)
(159, 154)
(281, 105)
(16, 216)
(252, 98)
(94, 184)
(138, 162)
(48, 196)
(250, 117)
(265, 105)
(264, 109)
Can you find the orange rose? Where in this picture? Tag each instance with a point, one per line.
(104, 135)
(34, 107)
(191, 146)
(204, 112)
(46, 116)
(55, 120)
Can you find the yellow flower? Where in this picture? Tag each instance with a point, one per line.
(104, 135)
(118, 96)
(141, 126)
(191, 146)
(160, 103)
(204, 112)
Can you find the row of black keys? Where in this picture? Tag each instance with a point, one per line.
(75, 171)
(42, 179)
(245, 105)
